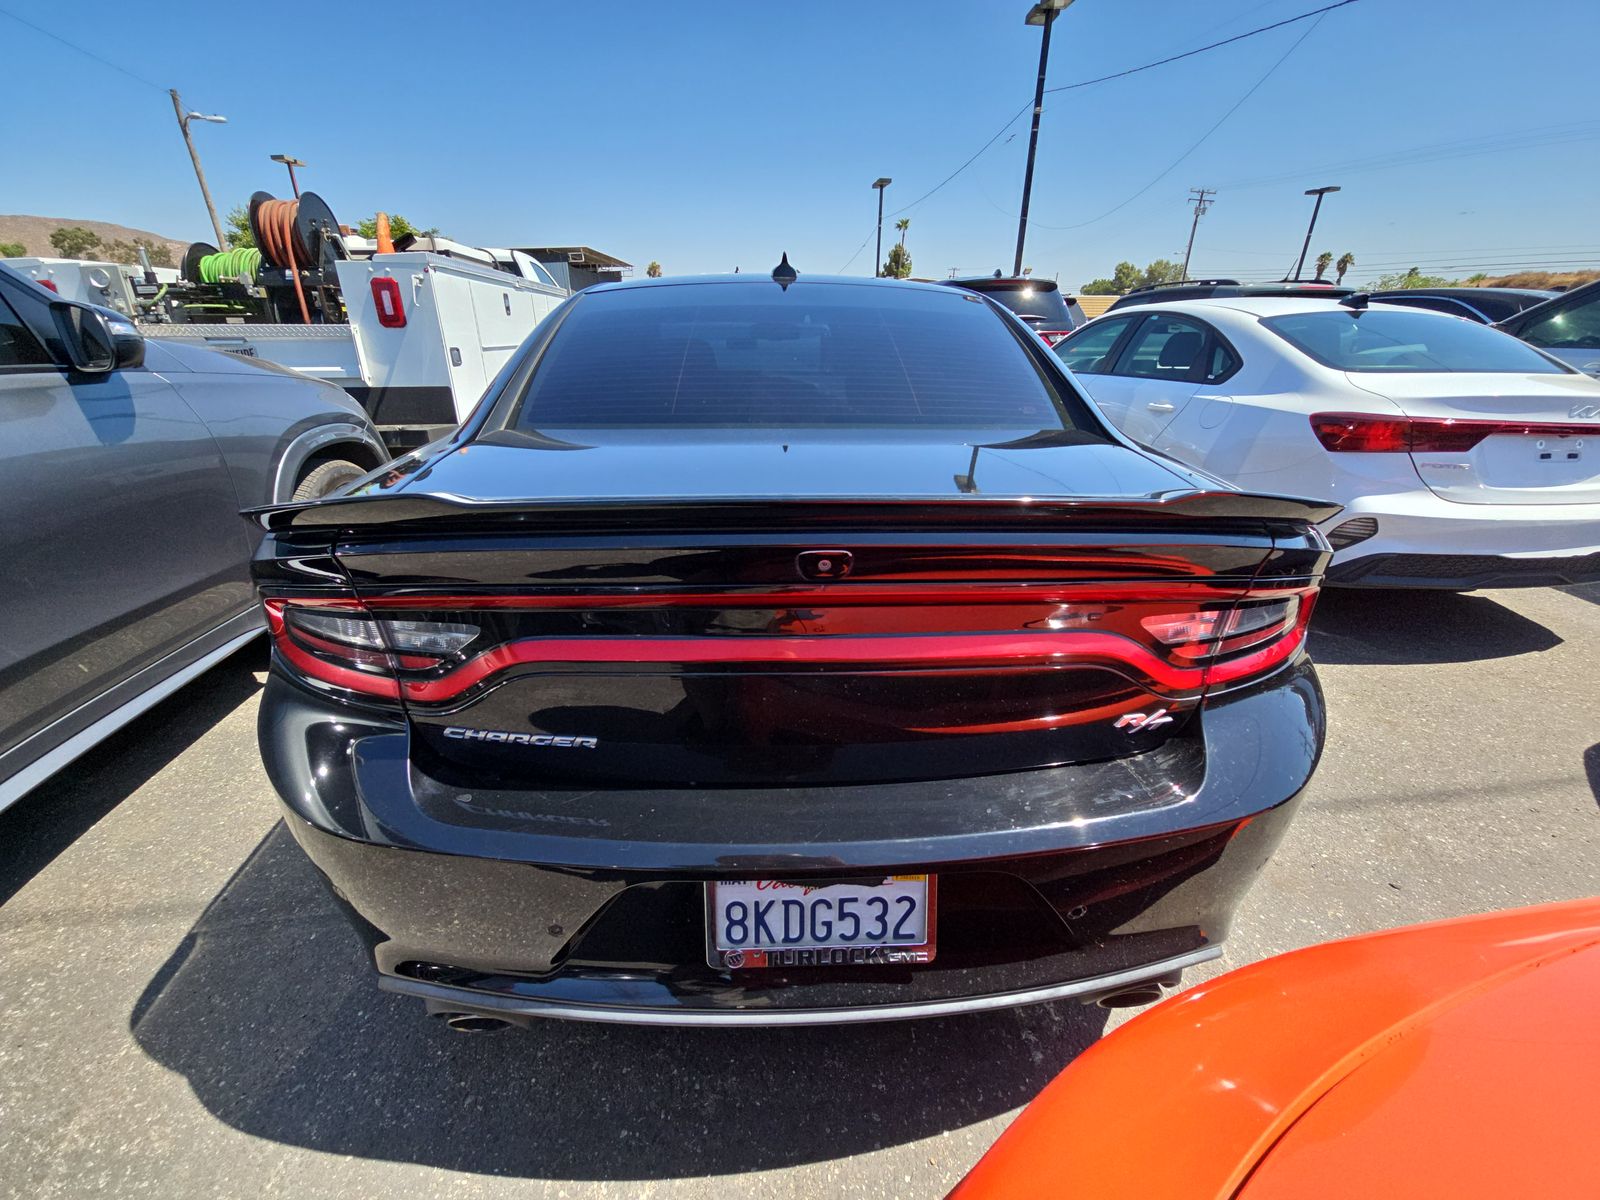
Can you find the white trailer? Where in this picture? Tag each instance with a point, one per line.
(426, 334)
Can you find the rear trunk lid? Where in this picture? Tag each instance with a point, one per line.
(1512, 439)
(782, 638)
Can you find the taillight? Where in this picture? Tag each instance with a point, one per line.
(435, 649)
(1239, 641)
(386, 296)
(49, 285)
(1362, 432)
(340, 645)
(1052, 336)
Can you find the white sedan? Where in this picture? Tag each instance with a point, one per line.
(1463, 457)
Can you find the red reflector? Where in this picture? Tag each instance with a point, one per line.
(1426, 435)
(50, 284)
(386, 296)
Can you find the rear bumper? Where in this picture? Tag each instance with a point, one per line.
(1073, 881)
(1423, 541)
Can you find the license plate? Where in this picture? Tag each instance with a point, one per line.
(772, 923)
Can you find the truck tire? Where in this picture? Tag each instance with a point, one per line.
(326, 478)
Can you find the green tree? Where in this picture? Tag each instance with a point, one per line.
(12, 249)
(898, 265)
(74, 241)
(1412, 278)
(238, 223)
(903, 224)
(1324, 261)
(1126, 277)
(653, 270)
(119, 251)
(399, 227)
(1346, 261)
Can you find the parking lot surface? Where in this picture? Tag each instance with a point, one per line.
(186, 1013)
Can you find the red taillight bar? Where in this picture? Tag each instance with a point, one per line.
(1367, 433)
(908, 651)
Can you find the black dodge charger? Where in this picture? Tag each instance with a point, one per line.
(776, 651)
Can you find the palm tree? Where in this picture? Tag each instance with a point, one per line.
(653, 270)
(1346, 261)
(1324, 261)
(903, 224)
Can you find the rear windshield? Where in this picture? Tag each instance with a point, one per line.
(820, 354)
(1392, 340)
(1040, 301)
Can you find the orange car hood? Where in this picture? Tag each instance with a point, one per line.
(1457, 1059)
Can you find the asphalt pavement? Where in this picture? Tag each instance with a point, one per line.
(186, 1014)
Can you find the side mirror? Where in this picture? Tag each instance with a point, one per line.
(96, 341)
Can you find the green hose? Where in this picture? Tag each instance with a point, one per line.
(229, 265)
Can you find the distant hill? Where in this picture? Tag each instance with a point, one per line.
(34, 233)
(1540, 279)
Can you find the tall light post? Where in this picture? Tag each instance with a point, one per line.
(1319, 193)
(880, 184)
(291, 163)
(1043, 13)
(184, 117)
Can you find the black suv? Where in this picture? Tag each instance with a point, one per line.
(1205, 289)
(1041, 304)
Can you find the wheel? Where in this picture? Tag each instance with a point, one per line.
(326, 478)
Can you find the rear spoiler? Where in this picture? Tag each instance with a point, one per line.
(398, 511)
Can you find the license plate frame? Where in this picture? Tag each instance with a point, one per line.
(810, 954)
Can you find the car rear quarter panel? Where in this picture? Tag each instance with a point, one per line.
(1185, 1100)
(270, 424)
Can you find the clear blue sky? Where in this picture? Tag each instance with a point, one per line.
(714, 135)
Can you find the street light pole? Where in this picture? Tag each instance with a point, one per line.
(1043, 13)
(880, 184)
(184, 117)
(1319, 193)
(290, 162)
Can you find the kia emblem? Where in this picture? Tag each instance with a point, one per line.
(824, 564)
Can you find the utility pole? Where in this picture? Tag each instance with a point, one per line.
(1319, 193)
(1044, 12)
(1200, 198)
(880, 184)
(184, 117)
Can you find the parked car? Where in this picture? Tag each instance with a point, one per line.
(1481, 304)
(1041, 303)
(776, 652)
(1205, 289)
(1452, 1059)
(1463, 458)
(1567, 326)
(124, 565)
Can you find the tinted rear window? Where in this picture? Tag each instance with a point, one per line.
(1391, 340)
(1033, 301)
(730, 356)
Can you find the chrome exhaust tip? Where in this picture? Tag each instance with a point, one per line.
(464, 1022)
(1133, 997)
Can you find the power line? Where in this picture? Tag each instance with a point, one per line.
(1025, 108)
(105, 62)
(1434, 152)
(1067, 87)
(1175, 163)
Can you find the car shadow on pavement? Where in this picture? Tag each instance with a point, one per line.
(270, 1009)
(64, 807)
(1397, 627)
(1591, 768)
